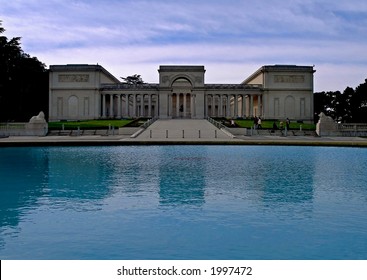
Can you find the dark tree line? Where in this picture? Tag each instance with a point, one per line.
(349, 106)
(23, 82)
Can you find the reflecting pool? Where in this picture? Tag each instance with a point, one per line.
(183, 202)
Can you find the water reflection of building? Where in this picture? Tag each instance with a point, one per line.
(56, 175)
(76, 174)
(182, 177)
(288, 181)
(266, 174)
(24, 176)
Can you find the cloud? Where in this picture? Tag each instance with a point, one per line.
(137, 36)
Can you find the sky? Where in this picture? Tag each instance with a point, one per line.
(231, 38)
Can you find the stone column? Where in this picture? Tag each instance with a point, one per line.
(224, 107)
(228, 111)
(220, 105)
(156, 105)
(184, 104)
(235, 103)
(192, 106)
(150, 105)
(170, 105)
(244, 105)
(119, 106)
(177, 105)
(103, 105)
(251, 106)
(134, 105)
(111, 106)
(127, 105)
(142, 105)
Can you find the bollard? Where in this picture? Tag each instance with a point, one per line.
(166, 133)
(183, 133)
(199, 134)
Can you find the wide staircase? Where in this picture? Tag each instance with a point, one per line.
(189, 129)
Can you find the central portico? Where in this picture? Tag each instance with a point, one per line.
(181, 92)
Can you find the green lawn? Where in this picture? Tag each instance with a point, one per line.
(104, 124)
(92, 124)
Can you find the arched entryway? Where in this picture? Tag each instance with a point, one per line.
(182, 105)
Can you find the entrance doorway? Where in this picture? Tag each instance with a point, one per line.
(181, 106)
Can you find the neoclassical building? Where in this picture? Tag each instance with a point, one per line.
(84, 92)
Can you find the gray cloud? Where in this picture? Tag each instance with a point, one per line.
(236, 34)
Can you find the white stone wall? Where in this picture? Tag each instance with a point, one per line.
(284, 92)
(74, 91)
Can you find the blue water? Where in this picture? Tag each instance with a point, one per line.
(183, 202)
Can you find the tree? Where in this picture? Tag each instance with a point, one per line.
(23, 82)
(323, 103)
(133, 80)
(359, 103)
(349, 106)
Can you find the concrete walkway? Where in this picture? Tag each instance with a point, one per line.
(177, 129)
(180, 132)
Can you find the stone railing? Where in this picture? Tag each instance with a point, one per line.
(143, 127)
(37, 126)
(23, 129)
(326, 126)
(221, 126)
(352, 129)
(121, 86)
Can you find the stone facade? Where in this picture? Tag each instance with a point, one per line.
(82, 92)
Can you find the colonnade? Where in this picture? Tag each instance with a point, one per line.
(234, 105)
(182, 105)
(129, 105)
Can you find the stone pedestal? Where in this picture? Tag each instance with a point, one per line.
(37, 126)
(326, 126)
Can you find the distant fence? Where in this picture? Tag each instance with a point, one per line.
(352, 129)
(12, 126)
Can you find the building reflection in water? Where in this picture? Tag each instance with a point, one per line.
(24, 177)
(182, 176)
(49, 176)
(79, 174)
(288, 179)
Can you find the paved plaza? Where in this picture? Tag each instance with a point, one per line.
(178, 129)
